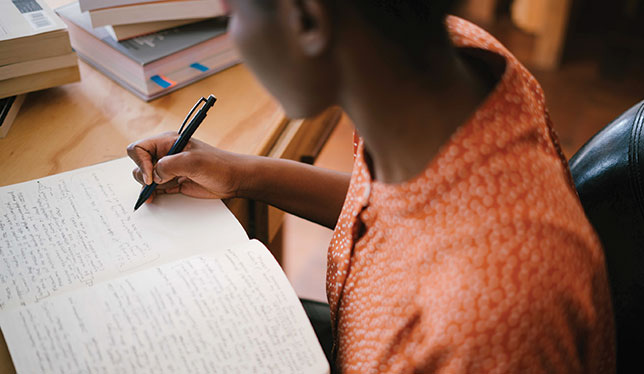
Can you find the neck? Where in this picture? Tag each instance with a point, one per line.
(405, 116)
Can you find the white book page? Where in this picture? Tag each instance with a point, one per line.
(75, 229)
(230, 311)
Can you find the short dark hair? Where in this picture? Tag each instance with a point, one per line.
(396, 16)
(412, 24)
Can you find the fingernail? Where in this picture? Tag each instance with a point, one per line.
(145, 179)
(157, 178)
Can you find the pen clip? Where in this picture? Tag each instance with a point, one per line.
(190, 114)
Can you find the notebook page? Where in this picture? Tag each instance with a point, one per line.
(230, 311)
(77, 228)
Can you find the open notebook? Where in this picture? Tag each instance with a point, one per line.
(86, 285)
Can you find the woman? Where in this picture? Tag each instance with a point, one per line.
(459, 244)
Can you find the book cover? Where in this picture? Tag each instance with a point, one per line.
(152, 47)
(86, 5)
(23, 18)
(30, 30)
(129, 31)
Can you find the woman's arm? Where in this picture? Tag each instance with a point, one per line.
(310, 192)
(204, 171)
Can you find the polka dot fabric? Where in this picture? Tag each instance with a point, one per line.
(484, 263)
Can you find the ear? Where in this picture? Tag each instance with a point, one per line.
(309, 21)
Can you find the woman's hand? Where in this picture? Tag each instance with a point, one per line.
(200, 170)
(207, 172)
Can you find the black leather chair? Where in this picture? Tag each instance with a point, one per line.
(609, 175)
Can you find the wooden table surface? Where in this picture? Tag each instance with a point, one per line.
(94, 120)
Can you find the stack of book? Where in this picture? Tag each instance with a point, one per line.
(125, 19)
(151, 47)
(35, 53)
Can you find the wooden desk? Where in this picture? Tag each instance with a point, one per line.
(94, 120)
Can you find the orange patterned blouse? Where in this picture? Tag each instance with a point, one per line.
(484, 263)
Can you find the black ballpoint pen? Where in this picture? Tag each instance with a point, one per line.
(181, 142)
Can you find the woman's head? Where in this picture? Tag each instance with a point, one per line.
(291, 44)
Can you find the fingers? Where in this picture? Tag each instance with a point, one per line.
(143, 160)
(174, 166)
(171, 187)
(147, 151)
(138, 176)
(186, 187)
(185, 172)
(173, 190)
(190, 188)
